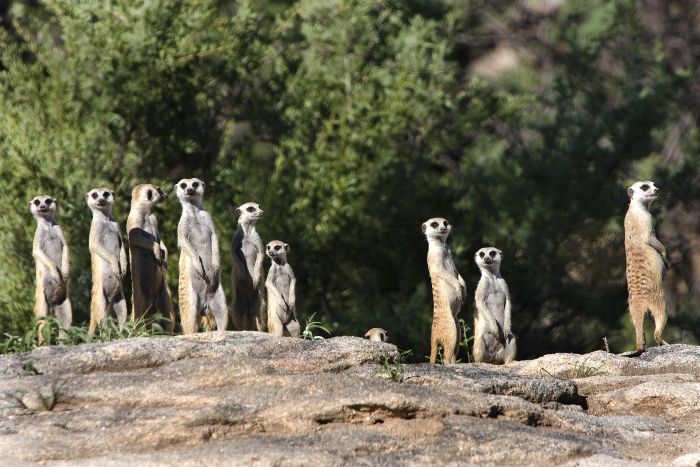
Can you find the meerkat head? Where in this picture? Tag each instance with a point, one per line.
(436, 228)
(377, 334)
(249, 213)
(43, 206)
(643, 192)
(190, 190)
(489, 258)
(147, 194)
(100, 199)
(277, 251)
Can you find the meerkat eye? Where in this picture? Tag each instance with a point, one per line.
(434, 225)
(105, 195)
(492, 254)
(250, 209)
(48, 202)
(277, 247)
(446, 223)
(37, 202)
(645, 187)
(481, 254)
(183, 185)
(149, 195)
(94, 195)
(195, 185)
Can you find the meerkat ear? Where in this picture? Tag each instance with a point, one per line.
(238, 212)
(286, 247)
(367, 335)
(55, 200)
(423, 227)
(630, 192)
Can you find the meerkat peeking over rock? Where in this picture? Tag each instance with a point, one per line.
(108, 260)
(449, 290)
(200, 292)
(377, 334)
(494, 341)
(281, 292)
(50, 252)
(646, 264)
(247, 251)
(148, 256)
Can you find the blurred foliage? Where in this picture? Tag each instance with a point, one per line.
(351, 122)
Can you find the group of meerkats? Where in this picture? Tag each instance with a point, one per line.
(201, 296)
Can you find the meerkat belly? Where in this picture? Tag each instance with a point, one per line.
(282, 282)
(53, 247)
(496, 303)
(250, 252)
(644, 269)
(200, 234)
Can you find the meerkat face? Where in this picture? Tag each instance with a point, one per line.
(488, 257)
(190, 189)
(277, 249)
(100, 199)
(644, 192)
(377, 334)
(249, 212)
(43, 206)
(437, 227)
(147, 194)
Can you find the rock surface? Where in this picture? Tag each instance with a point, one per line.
(249, 398)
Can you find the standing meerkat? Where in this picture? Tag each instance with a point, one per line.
(377, 334)
(646, 263)
(50, 252)
(247, 251)
(108, 260)
(281, 292)
(449, 290)
(200, 291)
(493, 340)
(148, 256)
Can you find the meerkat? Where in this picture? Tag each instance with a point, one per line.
(377, 334)
(248, 308)
(449, 290)
(50, 252)
(646, 264)
(148, 256)
(494, 341)
(281, 292)
(200, 291)
(108, 260)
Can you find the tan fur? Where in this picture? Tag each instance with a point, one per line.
(449, 291)
(148, 257)
(645, 266)
(50, 252)
(109, 263)
(377, 335)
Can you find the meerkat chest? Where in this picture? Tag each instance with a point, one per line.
(199, 232)
(441, 259)
(282, 279)
(493, 292)
(251, 246)
(638, 226)
(150, 226)
(51, 244)
(107, 234)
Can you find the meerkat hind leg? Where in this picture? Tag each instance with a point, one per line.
(637, 312)
(659, 314)
(217, 307)
(164, 305)
(510, 351)
(293, 328)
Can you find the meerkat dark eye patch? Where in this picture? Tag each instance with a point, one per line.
(645, 187)
(434, 225)
(37, 202)
(48, 202)
(492, 254)
(94, 195)
(250, 209)
(149, 195)
(481, 254)
(277, 247)
(105, 195)
(446, 223)
(183, 185)
(195, 185)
